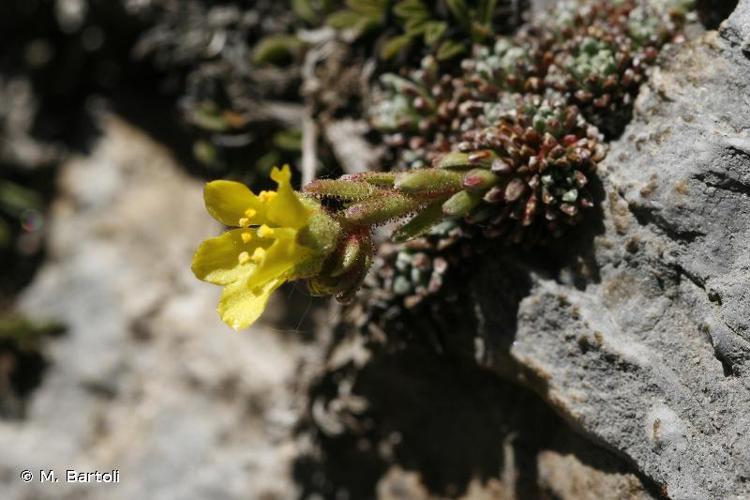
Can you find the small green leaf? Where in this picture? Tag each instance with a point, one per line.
(381, 209)
(399, 84)
(205, 153)
(449, 49)
(394, 46)
(207, 117)
(411, 9)
(480, 180)
(429, 180)
(277, 49)
(480, 32)
(434, 31)
(420, 223)
(455, 160)
(460, 11)
(14, 199)
(415, 27)
(344, 20)
(461, 204)
(347, 257)
(304, 10)
(369, 8)
(26, 333)
(289, 140)
(343, 189)
(381, 179)
(487, 11)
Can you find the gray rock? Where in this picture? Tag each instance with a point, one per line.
(647, 352)
(147, 379)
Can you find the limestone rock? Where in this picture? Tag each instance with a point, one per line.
(147, 379)
(648, 350)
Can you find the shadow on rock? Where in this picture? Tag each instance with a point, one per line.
(713, 12)
(23, 361)
(412, 390)
(441, 416)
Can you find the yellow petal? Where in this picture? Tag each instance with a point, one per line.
(252, 262)
(219, 260)
(229, 202)
(280, 258)
(285, 209)
(241, 305)
(282, 175)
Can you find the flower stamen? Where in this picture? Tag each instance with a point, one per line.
(265, 231)
(266, 196)
(258, 255)
(243, 258)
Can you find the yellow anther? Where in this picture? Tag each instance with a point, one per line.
(250, 213)
(258, 255)
(243, 257)
(244, 221)
(246, 237)
(266, 196)
(265, 231)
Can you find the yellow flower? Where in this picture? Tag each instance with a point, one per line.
(252, 261)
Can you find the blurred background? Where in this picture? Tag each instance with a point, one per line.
(113, 113)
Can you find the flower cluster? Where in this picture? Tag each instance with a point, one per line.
(269, 244)
(523, 178)
(508, 150)
(594, 55)
(323, 235)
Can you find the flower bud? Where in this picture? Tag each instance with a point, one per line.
(346, 257)
(333, 279)
(352, 280)
(380, 209)
(461, 203)
(345, 190)
(429, 181)
(454, 160)
(480, 180)
(382, 179)
(420, 223)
